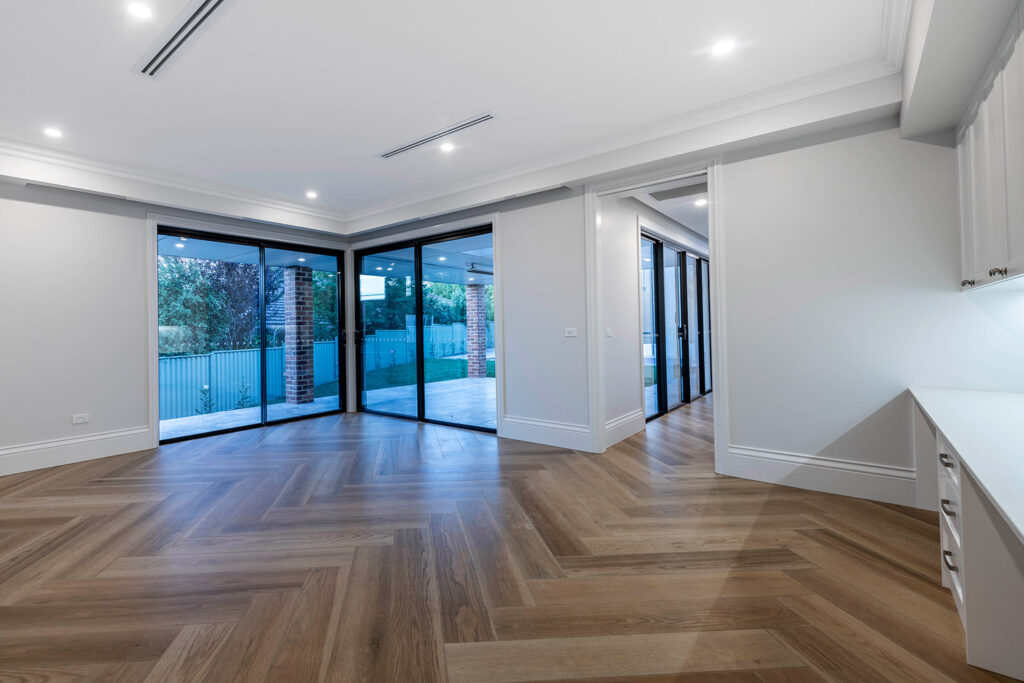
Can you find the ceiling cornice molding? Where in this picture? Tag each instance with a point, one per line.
(894, 31)
(12, 151)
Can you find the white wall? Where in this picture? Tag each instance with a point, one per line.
(841, 274)
(74, 318)
(618, 242)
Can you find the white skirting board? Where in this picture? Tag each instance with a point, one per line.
(847, 478)
(623, 427)
(561, 434)
(35, 456)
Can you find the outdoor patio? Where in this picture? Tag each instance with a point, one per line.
(227, 419)
(469, 401)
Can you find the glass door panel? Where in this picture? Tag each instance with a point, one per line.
(302, 331)
(692, 327)
(387, 320)
(649, 326)
(705, 292)
(209, 343)
(673, 323)
(458, 331)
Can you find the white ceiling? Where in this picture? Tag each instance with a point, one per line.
(275, 98)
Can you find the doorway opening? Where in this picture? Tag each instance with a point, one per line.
(425, 328)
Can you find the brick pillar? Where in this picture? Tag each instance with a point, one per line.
(298, 334)
(476, 330)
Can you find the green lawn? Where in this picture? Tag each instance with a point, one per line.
(435, 370)
(325, 389)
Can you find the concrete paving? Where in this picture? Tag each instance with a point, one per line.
(226, 419)
(468, 401)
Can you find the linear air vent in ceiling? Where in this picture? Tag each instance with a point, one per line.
(677, 192)
(191, 21)
(437, 136)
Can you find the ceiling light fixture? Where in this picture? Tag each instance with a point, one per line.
(380, 267)
(179, 245)
(471, 279)
(311, 194)
(701, 202)
(55, 133)
(442, 258)
(302, 260)
(723, 47)
(140, 10)
(447, 147)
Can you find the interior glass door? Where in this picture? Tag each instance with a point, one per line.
(705, 325)
(692, 328)
(302, 333)
(458, 331)
(673, 326)
(387, 332)
(649, 326)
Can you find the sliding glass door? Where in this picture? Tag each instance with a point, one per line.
(427, 350)
(705, 326)
(387, 332)
(650, 324)
(673, 328)
(248, 333)
(692, 328)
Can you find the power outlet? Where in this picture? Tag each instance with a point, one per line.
(79, 418)
(571, 332)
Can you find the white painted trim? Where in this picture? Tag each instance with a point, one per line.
(624, 426)
(499, 317)
(997, 62)
(54, 452)
(638, 236)
(152, 330)
(595, 320)
(894, 31)
(251, 231)
(560, 434)
(717, 264)
(843, 477)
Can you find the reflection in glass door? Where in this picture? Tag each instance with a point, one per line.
(649, 325)
(387, 332)
(458, 331)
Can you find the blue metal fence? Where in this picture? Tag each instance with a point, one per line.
(228, 376)
(385, 348)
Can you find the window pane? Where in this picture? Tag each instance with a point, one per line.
(693, 329)
(648, 327)
(706, 322)
(388, 309)
(673, 343)
(458, 331)
(209, 351)
(303, 368)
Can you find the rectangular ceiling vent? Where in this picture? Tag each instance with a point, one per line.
(678, 192)
(194, 16)
(468, 123)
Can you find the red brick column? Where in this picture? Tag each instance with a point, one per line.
(476, 330)
(298, 334)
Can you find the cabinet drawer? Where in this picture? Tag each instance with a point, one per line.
(949, 506)
(952, 567)
(948, 463)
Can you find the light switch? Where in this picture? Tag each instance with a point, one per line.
(571, 332)
(607, 331)
(79, 418)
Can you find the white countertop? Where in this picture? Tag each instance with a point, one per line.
(986, 429)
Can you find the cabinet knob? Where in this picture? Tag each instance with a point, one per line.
(998, 271)
(967, 283)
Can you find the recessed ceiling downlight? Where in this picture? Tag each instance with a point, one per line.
(140, 10)
(447, 147)
(51, 132)
(311, 194)
(701, 202)
(723, 47)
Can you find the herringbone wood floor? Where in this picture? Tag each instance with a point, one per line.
(361, 548)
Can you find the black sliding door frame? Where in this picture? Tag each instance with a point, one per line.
(421, 386)
(263, 245)
(703, 316)
(684, 326)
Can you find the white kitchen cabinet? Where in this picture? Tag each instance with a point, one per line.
(990, 168)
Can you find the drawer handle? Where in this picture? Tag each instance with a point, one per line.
(998, 271)
(946, 557)
(942, 505)
(967, 283)
(944, 459)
